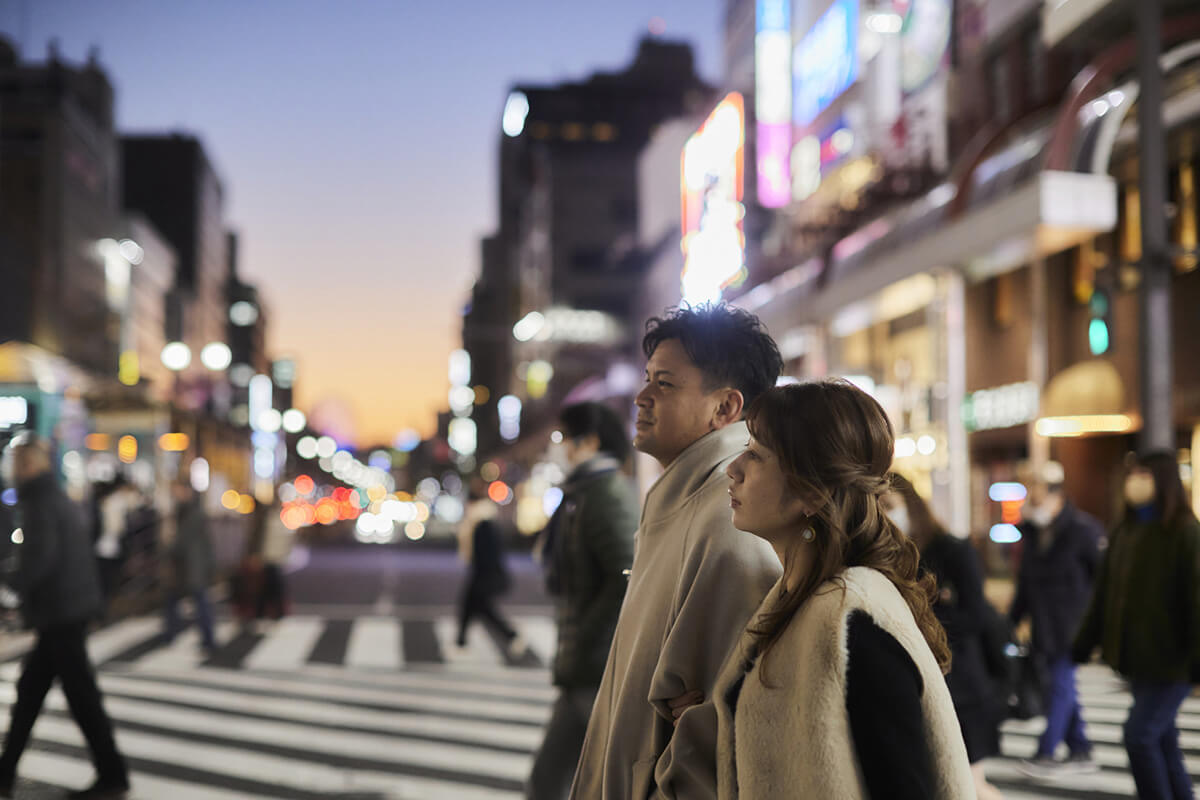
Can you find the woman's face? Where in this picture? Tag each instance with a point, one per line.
(1139, 487)
(761, 500)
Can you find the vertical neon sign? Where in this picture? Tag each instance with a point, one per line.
(711, 187)
(773, 101)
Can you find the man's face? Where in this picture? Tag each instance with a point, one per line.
(674, 409)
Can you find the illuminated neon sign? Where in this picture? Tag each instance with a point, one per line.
(712, 216)
(773, 101)
(825, 61)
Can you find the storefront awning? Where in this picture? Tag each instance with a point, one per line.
(1043, 213)
(22, 363)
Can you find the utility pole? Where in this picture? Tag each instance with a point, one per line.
(1155, 353)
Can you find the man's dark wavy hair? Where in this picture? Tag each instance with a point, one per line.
(728, 345)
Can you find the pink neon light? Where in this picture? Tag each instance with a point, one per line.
(774, 173)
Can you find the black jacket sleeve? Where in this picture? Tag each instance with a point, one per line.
(883, 699)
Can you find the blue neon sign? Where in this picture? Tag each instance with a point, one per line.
(825, 61)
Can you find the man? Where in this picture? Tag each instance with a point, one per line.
(59, 587)
(1058, 566)
(591, 549)
(193, 563)
(696, 580)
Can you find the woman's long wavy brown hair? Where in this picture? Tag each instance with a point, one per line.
(834, 444)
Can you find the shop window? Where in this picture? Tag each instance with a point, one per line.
(604, 132)
(1186, 219)
(1129, 244)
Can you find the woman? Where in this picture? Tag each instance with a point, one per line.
(1145, 617)
(836, 689)
(964, 613)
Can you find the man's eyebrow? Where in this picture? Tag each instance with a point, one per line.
(660, 372)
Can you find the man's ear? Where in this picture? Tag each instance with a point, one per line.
(729, 408)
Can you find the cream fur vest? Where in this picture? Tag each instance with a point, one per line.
(793, 740)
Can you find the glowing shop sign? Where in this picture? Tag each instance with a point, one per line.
(712, 184)
(13, 411)
(773, 101)
(825, 62)
(1002, 407)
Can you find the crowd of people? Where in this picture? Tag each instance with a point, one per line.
(69, 571)
(783, 615)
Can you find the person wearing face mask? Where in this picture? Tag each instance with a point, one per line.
(1059, 560)
(965, 614)
(1145, 618)
(590, 548)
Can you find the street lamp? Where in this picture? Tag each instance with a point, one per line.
(176, 356)
(216, 356)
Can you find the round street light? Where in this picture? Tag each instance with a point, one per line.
(294, 420)
(176, 356)
(216, 356)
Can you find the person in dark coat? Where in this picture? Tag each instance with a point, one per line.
(586, 561)
(59, 586)
(192, 565)
(965, 614)
(487, 573)
(1145, 618)
(1059, 559)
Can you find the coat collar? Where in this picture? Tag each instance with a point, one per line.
(692, 468)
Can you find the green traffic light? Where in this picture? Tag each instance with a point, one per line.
(1098, 337)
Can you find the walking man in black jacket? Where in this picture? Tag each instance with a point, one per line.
(1059, 560)
(57, 580)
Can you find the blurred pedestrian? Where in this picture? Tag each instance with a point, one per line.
(116, 507)
(966, 615)
(57, 580)
(192, 565)
(586, 563)
(696, 580)
(835, 689)
(487, 573)
(272, 544)
(1059, 559)
(1145, 618)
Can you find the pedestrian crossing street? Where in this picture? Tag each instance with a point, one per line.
(388, 708)
(374, 708)
(1106, 702)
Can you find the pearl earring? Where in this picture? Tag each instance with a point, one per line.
(808, 535)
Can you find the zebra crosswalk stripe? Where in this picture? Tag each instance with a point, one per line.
(1105, 701)
(288, 646)
(221, 731)
(374, 644)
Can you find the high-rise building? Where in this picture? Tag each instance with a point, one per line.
(59, 189)
(170, 180)
(568, 234)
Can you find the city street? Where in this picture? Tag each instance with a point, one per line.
(361, 693)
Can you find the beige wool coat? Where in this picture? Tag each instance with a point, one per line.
(694, 584)
(793, 739)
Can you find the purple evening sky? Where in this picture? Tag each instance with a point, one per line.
(356, 142)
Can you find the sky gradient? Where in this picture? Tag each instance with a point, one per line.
(356, 143)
